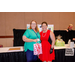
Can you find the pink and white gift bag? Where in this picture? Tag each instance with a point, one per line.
(37, 49)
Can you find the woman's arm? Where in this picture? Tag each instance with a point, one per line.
(66, 30)
(52, 36)
(74, 39)
(25, 39)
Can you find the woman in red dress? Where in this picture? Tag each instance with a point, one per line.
(47, 41)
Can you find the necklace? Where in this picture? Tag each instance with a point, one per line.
(44, 35)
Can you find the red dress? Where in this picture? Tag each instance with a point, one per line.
(46, 46)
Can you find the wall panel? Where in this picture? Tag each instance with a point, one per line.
(29, 16)
(14, 20)
(19, 20)
(2, 24)
(65, 19)
(51, 18)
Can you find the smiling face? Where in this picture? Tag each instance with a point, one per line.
(33, 25)
(44, 27)
(70, 27)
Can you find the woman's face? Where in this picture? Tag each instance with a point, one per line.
(70, 27)
(33, 25)
(44, 27)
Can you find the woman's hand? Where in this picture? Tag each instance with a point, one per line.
(35, 40)
(66, 30)
(74, 39)
(51, 50)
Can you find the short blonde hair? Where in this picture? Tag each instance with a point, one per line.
(70, 25)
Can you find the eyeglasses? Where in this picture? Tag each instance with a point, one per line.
(33, 23)
(43, 26)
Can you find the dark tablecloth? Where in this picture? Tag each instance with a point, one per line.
(60, 56)
(13, 57)
(21, 57)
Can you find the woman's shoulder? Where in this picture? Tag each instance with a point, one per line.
(41, 32)
(49, 30)
(38, 32)
(28, 30)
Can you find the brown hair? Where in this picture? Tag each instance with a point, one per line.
(36, 25)
(44, 23)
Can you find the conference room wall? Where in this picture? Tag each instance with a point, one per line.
(6, 42)
(19, 20)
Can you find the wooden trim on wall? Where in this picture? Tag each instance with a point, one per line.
(6, 36)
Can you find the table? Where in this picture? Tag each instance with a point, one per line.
(12, 56)
(6, 49)
(60, 54)
(20, 55)
(63, 47)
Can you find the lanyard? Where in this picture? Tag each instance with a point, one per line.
(35, 33)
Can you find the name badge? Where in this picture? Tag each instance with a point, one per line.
(38, 39)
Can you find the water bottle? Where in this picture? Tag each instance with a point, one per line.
(69, 41)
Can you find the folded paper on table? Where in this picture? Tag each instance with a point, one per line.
(69, 52)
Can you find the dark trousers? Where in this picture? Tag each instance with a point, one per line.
(30, 56)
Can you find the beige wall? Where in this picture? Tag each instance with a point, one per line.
(18, 20)
(6, 42)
